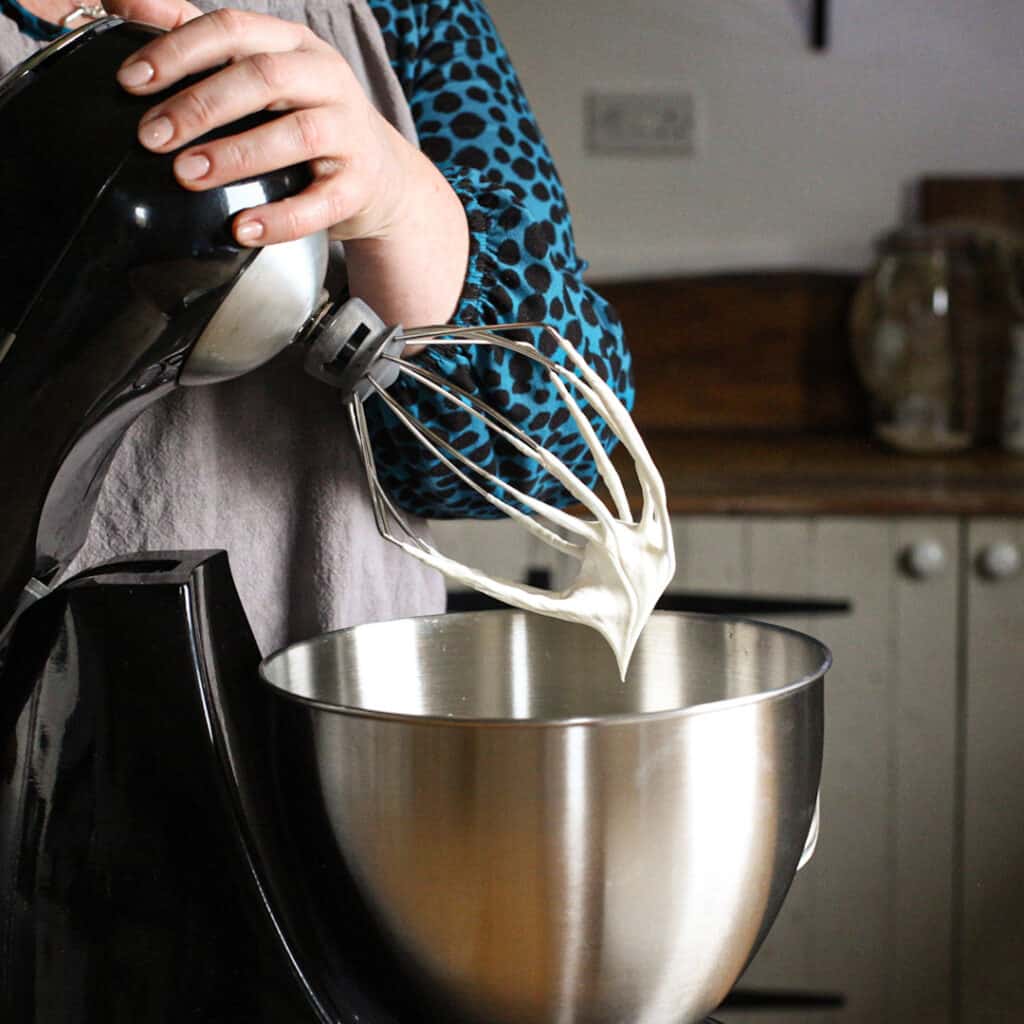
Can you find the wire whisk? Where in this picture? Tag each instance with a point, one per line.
(625, 562)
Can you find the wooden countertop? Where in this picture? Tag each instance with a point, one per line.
(749, 399)
(803, 474)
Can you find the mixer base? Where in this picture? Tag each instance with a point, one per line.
(139, 876)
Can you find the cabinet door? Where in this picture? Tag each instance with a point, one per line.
(870, 917)
(992, 937)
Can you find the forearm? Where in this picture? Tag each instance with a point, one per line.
(522, 265)
(414, 275)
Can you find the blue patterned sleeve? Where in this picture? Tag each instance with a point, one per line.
(474, 122)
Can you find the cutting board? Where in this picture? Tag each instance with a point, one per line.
(746, 352)
(990, 200)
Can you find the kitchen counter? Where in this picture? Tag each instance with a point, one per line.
(749, 399)
(803, 474)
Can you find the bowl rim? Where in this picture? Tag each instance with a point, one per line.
(589, 721)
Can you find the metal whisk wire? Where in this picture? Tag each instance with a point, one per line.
(624, 563)
(458, 463)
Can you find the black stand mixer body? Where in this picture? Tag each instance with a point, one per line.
(143, 873)
(146, 871)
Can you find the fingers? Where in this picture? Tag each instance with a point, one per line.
(265, 81)
(301, 136)
(264, 63)
(162, 13)
(204, 41)
(294, 138)
(321, 205)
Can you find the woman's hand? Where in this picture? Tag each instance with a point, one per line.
(372, 189)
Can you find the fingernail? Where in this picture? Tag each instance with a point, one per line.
(249, 231)
(190, 167)
(156, 132)
(139, 72)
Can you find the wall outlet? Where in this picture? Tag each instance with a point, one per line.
(653, 123)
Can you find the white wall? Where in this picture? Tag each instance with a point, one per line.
(803, 157)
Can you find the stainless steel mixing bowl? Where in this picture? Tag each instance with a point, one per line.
(537, 840)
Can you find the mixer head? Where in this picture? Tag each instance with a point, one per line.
(119, 286)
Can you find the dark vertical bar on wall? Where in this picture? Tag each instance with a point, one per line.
(819, 24)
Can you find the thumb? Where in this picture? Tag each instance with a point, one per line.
(161, 13)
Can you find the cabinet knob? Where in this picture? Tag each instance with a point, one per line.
(924, 559)
(999, 560)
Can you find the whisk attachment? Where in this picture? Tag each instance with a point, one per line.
(625, 562)
(348, 347)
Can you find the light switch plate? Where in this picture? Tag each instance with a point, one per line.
(641, 122)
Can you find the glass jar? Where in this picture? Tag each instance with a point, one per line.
(916, 321)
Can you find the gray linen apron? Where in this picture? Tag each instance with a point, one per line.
(265, 466)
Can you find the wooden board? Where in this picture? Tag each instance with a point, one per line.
(986, 200)
(765, 351)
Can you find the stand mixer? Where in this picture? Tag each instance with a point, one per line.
(464, 818)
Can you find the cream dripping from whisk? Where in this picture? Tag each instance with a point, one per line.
(625, 563)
